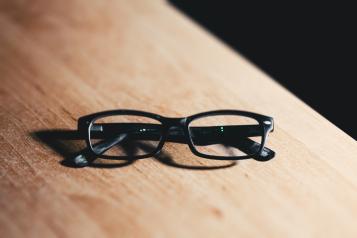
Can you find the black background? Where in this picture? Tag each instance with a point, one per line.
(307, 47)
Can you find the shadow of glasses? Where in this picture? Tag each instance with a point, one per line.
(70, 145)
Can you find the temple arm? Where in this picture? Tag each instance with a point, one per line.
(101, 147)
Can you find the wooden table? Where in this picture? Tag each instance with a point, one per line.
(64, 59)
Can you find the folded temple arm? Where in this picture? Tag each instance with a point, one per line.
(230, 135)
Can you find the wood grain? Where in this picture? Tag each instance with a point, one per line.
(60, 60)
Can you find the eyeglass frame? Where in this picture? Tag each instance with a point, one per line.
(265, 122)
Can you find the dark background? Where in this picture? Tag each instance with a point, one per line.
(307, 47)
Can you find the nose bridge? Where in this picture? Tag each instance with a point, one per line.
(175, 129)
(175, 122)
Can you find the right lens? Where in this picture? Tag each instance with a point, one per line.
(226, 135)
(125, 135)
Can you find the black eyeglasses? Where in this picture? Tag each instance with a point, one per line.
(223, 134)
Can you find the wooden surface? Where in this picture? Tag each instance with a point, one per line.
(60, 60)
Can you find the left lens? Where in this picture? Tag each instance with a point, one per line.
(226, 135)
(124, 135)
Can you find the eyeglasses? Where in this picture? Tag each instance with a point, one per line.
(222, 135)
